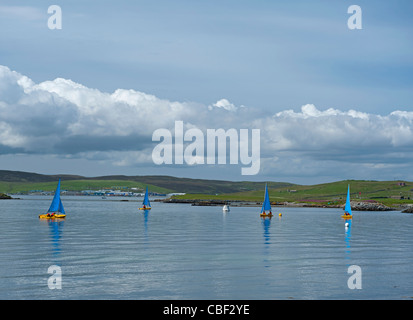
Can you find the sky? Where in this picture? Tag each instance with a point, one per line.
(331, 103)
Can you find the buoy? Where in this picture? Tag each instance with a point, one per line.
(280, 214)
(346, 225)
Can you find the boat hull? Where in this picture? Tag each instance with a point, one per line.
(347, 216)
(148, 208)
(264, 215)
(49, 217)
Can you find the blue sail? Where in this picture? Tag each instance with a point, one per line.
(266, 206)
(56, 205)
(146, 199)
(61, 209)
(347, 208)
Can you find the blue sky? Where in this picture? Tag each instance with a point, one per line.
(270, 56)
(267, 54)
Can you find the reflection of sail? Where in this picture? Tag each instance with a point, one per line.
(347, 238)
(145, 223)
(145, 215)
(55, 228)
(266, 224)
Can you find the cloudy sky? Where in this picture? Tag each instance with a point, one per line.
(331, 103)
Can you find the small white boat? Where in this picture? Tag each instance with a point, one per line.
(225, 208)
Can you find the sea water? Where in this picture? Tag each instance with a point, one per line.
(108, 249)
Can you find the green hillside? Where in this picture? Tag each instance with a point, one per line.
(387, 192)
(15, 182)
(76, 185)
(187, 185)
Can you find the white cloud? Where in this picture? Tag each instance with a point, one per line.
(224, 104)
(62, 117)
(341, 143)
(312, 129)
(310, 111)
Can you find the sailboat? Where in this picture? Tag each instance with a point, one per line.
(146, 205)
(266, 206)
(56, 210)
(347, 208)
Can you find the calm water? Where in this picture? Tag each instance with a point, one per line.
(110, 250)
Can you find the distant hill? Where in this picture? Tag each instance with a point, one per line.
(188, 185)
(334, 193)
(20, 176)
(17, 181)
(389, 192)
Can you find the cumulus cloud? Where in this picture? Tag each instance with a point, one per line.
(332, 129)
(62, 117)
(224, 104)
(65, 117)
(348, 144)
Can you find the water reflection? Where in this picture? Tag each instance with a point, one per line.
(145, 224)
(225, 213)
(55, 228)
(266, 224)
(347, 238)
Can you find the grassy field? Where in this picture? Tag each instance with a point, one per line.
(160, 185)
(386, 192)
(17, 181)
(77, 185)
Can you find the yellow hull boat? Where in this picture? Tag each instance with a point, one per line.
(55, 216)
(56, 210)
(148, 208)
(265, 215)
(347, 216)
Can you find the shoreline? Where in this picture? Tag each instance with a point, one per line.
(355, 205)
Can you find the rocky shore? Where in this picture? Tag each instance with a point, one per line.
(369, 206)
(409, 209)
(4, 196)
